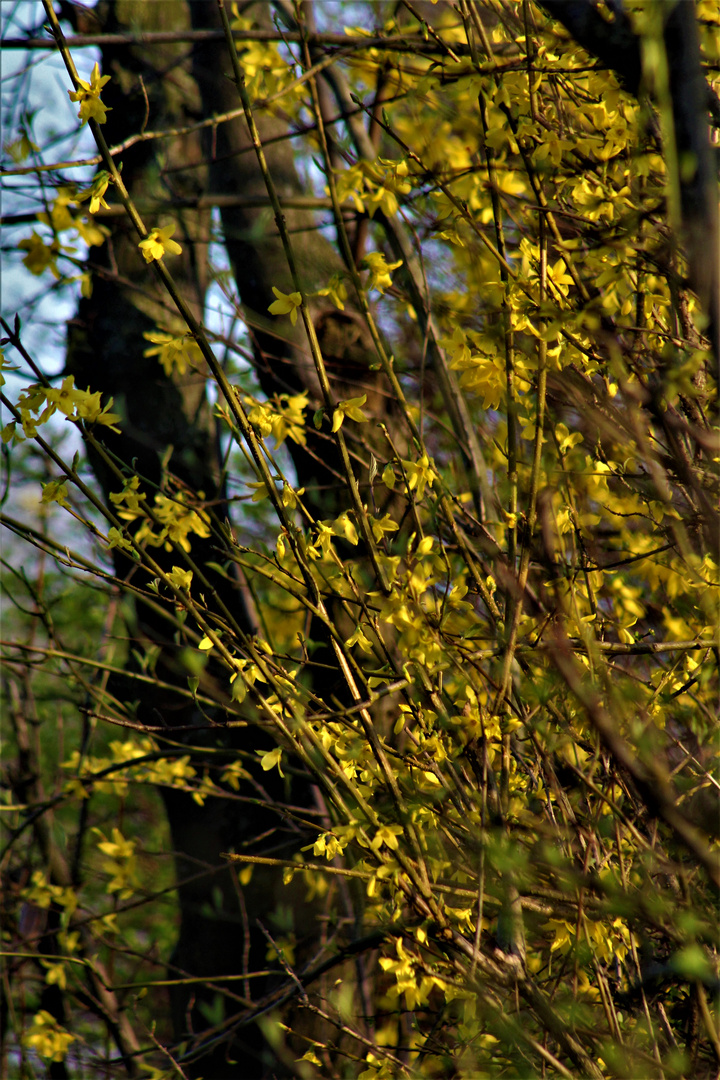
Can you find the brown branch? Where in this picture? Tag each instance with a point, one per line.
(403, 43)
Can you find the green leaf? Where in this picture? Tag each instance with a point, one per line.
(691, 963)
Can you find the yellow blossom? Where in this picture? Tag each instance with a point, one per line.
(350, 408)
(181, 579)
(88, 94)
(59, 217)
(64, 396)
(177, 520)
(359, 638)
(419, 474)
(288, 422)
(116, 539)
(120, 863)
(55, 974)
(286, 304)
(336, 290)
(40, 256)
(158, 243)
(380, 526)
(74, 403)
(47, 1038)
(93, 235)
(21, 148)
(131, 497)
(386, 834)
(260, 490)
(174, 353)
(380, 270)
(270, 759)
(55, 491)
(88, 407)
(96, 192)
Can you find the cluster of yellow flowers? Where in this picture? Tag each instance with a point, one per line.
(371, 186)
(42, 254)
(37, 403)
(176, 520)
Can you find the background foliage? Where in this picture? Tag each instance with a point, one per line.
(360, 583)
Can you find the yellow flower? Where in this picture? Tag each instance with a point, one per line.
(380, 270)
(47, 1038)
(419, 474)
(260, 492)
(88, 407)
(120, 865)
(131, 497)
(359, 638)
(96, 192)
(91, 107)
(289, 421)
(55, 974)
(343, 527)
(286, 304)
(388, 476)
(336, 290)
(55, 491)
(93, 235)
(181, 579)
(158, 242)
(271, 759)
(350, 408)
(63, 397)
(116, 539)
(21, 148)
(60, 217)
(174, 352)
(380, 526)
(177, 521)
(386, 834)
(118, 847)
(40, 256)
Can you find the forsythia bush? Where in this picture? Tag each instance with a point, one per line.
(447, 622)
